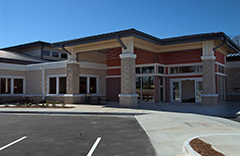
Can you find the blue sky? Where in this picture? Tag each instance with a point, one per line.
(23, 21)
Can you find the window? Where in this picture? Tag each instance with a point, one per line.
(221, 69)
(52, 85)
(174, 70)
(83, 85)
(5, 86)
(199, 91)
(62, 85)
(63, 55)
(18, 86)
(46, 53)
(13, 85)
(145, 70)
(186, 69)
(88, 85)
(93, 85)
(55, 54)
(57, 85)
(145, 88)
(160, 70)
(138, 70)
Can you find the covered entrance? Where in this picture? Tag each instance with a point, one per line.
(186, 90)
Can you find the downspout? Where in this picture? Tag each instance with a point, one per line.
(43, 82)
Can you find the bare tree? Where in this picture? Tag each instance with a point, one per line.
(236, 39)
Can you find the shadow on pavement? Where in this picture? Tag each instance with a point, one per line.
(223, 109)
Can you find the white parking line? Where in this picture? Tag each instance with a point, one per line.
(94, 146)
(14, 142)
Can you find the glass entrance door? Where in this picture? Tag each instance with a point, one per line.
(198, 91)
(176, 91)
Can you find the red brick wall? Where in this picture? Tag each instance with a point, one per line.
(144, 57)
(219, 57)
(113, 88)
(114, 72)
(113, 57)
(178, 57)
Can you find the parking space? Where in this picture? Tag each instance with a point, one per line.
(50, 135)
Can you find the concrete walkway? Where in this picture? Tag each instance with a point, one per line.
(167, 125)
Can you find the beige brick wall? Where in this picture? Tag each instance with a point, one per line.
(101, 80)
(34, 82)
(233, 84)
(11, 73)
(72, 78)
(56, 71)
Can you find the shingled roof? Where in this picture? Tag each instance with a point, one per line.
(18, 58)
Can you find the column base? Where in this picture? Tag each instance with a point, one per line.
(128, 100)
(210, 99)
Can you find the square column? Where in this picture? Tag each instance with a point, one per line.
(72, 81)
(128, 96)
(209, 96)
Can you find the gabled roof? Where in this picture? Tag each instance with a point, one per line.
(18, 58)
(27, 45)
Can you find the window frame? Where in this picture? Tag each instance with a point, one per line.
(88, 83)
(12, 85)
(196, 66)
(57, 83)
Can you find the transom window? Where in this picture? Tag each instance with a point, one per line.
(145, 70)
(88, 84)
(186, 69)
(221, 69)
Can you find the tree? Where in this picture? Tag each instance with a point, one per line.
(236, 39)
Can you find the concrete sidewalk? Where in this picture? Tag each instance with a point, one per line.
(167, 130)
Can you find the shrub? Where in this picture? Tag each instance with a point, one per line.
(18, 104)
(6, 105)
(63, 104)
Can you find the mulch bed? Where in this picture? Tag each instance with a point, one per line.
(36, 106)
(203, 148)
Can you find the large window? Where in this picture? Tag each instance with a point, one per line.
(186, 69)
(145, 88)
(5, 86)
(57, 85)
(13, 85)
(62, 85)
(18, 86)
(88, 85)
(83, 85)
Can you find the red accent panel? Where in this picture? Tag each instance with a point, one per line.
(219, 57)
(144, 57)
(113, 72)
(113, 57)
(113, 88)
(178, 57)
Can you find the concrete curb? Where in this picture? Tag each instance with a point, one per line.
(188, 150)
(73, 113)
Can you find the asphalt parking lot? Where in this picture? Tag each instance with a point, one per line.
(60, 135)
